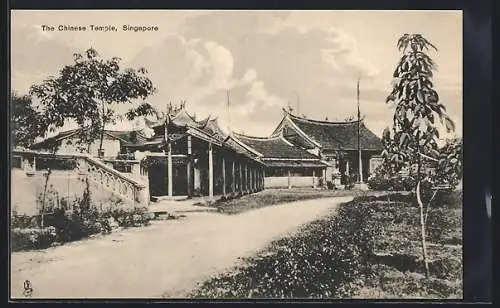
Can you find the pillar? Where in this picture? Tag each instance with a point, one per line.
(246, 177)
(210, 172)
(169, 171)
(25, 164)
(251, 178)
(136, 170)
(314, 178)
(233, 177)
(223, 176)
(360, 169)
(254, 179)
(34, 163)
(240, 182)
(289, 183)
(189, 167)
(263, 178)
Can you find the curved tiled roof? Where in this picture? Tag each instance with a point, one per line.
(335, 135)
(125, 136)
(212, 128)
(274, 147)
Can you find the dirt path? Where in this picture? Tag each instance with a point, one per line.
(165, 259)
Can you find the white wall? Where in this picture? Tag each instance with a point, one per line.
(111, 147)
(295, 181)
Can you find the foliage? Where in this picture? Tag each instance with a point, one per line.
(417, 109)
(270, 197)
(417, 118)
(26, 122)
(322, 261)
(449, 170)
(71, 222)
(87, 91)
(382, 182)
(145, 109)
(32, 238)
(358, 251)
(351, 180)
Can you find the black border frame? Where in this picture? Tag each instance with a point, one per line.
(477, 86)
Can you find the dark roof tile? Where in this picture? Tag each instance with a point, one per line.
(334, 135)
(275, 147)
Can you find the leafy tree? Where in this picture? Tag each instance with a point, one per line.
(27, 123)
(412, 141)
(143, 110)
(87, 92)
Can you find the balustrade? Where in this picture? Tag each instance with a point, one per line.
(98, 172)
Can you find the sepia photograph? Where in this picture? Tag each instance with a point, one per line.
(218, 154)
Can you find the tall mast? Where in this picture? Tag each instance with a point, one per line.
(228, 115)
(360, 168)
(298, 104)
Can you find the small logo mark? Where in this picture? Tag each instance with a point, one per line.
(28, 290)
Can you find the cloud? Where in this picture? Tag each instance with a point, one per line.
(186, 69)
(266, 59)
(35, 55)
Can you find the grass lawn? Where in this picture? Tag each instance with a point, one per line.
(369, 248)
(271, 197)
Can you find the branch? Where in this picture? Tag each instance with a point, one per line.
(429, 205)
(428, 157)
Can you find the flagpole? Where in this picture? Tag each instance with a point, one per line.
(360, 168)
(228, 115)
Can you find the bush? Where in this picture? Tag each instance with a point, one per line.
(394, 183)
(323, 260)
(23, 221)
(135, 217)
(32, 238)
(330, 185)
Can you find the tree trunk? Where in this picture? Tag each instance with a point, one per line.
(99, 154)
(422, 230)
(42, 210)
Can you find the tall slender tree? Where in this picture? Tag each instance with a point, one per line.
(418, 118)
(87, 92)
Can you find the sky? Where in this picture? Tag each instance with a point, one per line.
(264, 60)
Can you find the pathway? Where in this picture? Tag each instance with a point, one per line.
(166, 259)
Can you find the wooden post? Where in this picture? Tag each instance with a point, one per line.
(289, 183)
(210, 172)
(223, 176)
(314, 178)
(263, 178)
(246, 177)
(189, 167)
(254, 179)
(240, 182)
(169, 171)
(233, 182)
(251, 178)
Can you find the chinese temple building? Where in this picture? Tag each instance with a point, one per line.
(334, 142)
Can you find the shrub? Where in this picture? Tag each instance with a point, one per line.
(325, 259)
(393, 183)
(32, 238)
(135, 217)
(330, 185)
(23, 221)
